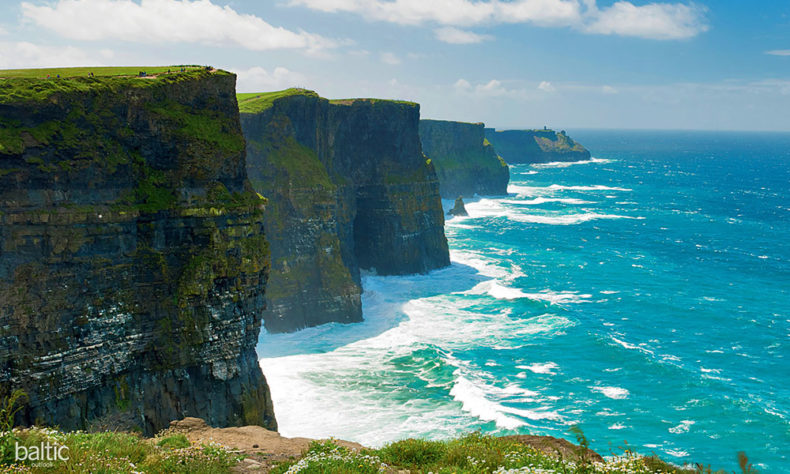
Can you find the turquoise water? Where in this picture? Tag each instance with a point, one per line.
(643, 295)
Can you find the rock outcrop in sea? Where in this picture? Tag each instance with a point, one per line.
(458, 208)
(536, 146)
(133, 260)
(348, 188)
(466, 163)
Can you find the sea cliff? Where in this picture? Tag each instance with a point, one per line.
(536, 146)
(133, 260)
(348, 189)
(465, 161)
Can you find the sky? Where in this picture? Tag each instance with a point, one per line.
(703, 65)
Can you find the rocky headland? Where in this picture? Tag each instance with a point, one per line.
(348, 188)
(535, 146)
(133, 259)
(465, 161)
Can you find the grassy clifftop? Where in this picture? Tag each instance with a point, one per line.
(36, 85)
(256, 102)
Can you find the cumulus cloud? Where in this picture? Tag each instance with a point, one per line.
(17, 55)
(453, 12)
(492, 88)
(779, 52)
(454, 35)
(390, 58)
(662, 21)
(258, 79)
(546, 86)
(166, 21)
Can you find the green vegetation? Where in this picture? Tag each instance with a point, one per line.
(25, 85)
(9, 407)
(112, 452)
(373, 101)
(71, 72)
(256, 102)
(213, 127)
(471, 454)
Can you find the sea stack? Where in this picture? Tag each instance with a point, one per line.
(458, 209)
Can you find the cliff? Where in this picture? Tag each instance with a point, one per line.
(133, 260)
(466, 163)
(535, 146)
(348, 189)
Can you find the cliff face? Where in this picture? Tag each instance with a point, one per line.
(465, 161)
(133, 261)
(535, 146)
(348, 188)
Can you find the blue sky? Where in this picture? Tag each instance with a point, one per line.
(720, 65)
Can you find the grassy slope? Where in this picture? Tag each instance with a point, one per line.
(471, 454)
(114, 452)
(171, 451)
(32, 88)
(71, 72)
(255, 102)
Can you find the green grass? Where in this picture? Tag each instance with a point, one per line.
(112, 452)
(470, 454)
(27, 85)
(372, 101)
(71, 72)
(256, 102)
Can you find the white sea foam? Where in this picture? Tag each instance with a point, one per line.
(498, 291)
(616, 393)
(524, 191)
(683, 427)
(565, 164)
(678, 453)
(565, 219)
(542, 200)
(473, 400)
(540, 368)
(617, 426)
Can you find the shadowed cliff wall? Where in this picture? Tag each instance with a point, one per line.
(133, 261)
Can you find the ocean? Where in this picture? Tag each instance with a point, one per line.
(643, 295)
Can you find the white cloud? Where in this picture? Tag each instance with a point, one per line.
(258, 79)
(661, 21)
(492, 88)
(546, 86)
(18, 55)
(779, 52)
(3, 31)
(167, 21)
(454, 35)
(390, 58)
(454, 12)
(609, 90)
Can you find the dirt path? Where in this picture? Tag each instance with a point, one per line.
(264, 448)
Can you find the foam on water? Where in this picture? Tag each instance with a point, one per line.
(629, 298)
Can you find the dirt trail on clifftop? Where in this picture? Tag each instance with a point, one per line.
(264, 448)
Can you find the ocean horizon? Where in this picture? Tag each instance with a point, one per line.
(643, 295)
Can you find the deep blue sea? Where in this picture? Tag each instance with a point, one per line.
(643, 295)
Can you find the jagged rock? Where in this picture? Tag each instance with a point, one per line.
(133, 261)
(458, 209)
(536, 146)
(466, 163)
(347, 188)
